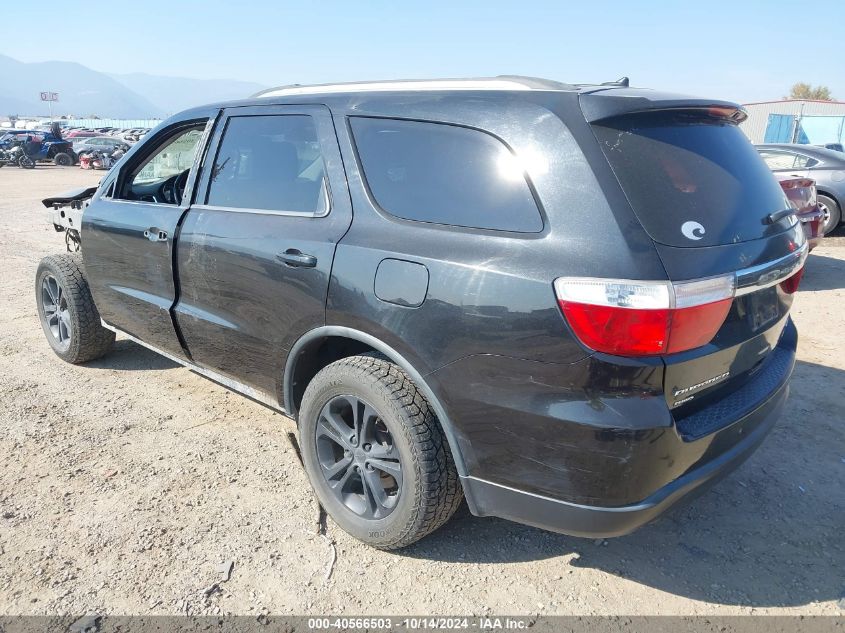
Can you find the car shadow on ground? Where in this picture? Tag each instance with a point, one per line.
(823, 273)
(767, 535)
(130, 356)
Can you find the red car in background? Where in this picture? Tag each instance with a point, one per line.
(81, 134)
(801, 193)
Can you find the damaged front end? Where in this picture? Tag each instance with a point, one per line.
(65, 213)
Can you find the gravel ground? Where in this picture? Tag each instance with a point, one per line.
(124, 484)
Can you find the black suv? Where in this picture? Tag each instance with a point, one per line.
(567, 304)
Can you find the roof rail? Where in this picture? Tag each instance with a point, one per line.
(502, 82)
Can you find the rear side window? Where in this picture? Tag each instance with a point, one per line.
(785, 160)
(778, 160)
(692, 180)
(270, 163)
(805, 162)
(445, 174)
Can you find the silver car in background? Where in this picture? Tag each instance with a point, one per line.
(825, 166)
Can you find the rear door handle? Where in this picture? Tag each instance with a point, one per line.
(297, 259)
(155, 235)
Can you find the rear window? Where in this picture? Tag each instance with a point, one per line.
(445, 174)
(692, 180)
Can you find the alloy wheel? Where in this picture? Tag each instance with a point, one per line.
(358, 458)
(55, 310)
(825, 228)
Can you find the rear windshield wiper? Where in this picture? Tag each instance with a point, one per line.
(778, 215)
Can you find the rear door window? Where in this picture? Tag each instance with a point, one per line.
(444, 174)
(778, 161)
(270, 163)
(692, 180)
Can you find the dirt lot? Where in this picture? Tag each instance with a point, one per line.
(125, 483)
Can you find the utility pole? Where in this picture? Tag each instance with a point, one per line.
(796, 128)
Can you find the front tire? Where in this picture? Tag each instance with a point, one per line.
(832, 214)
(375, 453)
(68, 316)
(62, 160)
(25, 162)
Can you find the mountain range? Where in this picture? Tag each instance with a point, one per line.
(84, 92)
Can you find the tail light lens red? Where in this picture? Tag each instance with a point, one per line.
(642, 318)
(801, 193)
(790, 285)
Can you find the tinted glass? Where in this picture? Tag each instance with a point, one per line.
(778, 160)
(269, 162)
(446, 174)
(692, 180)
(804, 162)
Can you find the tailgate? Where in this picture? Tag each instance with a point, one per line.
(712, 208)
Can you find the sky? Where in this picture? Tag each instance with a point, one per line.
(745, 51)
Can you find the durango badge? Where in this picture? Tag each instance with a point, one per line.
(692, 230)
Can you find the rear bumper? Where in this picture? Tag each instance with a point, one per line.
(491, 499)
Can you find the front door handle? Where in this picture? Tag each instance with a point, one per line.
(295, 258)
(155, 235)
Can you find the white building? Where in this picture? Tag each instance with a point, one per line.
(795, 120)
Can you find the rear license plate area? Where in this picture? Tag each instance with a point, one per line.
(763, 308)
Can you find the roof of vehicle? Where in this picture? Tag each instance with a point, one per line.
(596, 101)
(503, 82)
(821, 153)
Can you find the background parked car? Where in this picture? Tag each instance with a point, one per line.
(834, 146)
(825, 166)
(105, 143)
(81, 134)
(801, 193)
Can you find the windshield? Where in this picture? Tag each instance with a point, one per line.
(692, 180)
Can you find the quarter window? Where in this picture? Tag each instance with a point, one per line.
(271, 163)
(445, 174)
(804, 162)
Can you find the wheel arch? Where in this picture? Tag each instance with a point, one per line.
(828, 193)
(303, 363)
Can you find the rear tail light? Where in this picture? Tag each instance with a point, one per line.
(801, 193)
(790, 285)
(642, 318)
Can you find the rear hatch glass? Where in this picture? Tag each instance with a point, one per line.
(692, 179)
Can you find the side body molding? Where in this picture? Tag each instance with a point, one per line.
(350, 333)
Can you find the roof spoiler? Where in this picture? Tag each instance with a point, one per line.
(609, 102)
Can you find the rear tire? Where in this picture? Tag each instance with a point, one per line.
(68, 316)
(63, 160)
(833, 213)
(403, 460)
